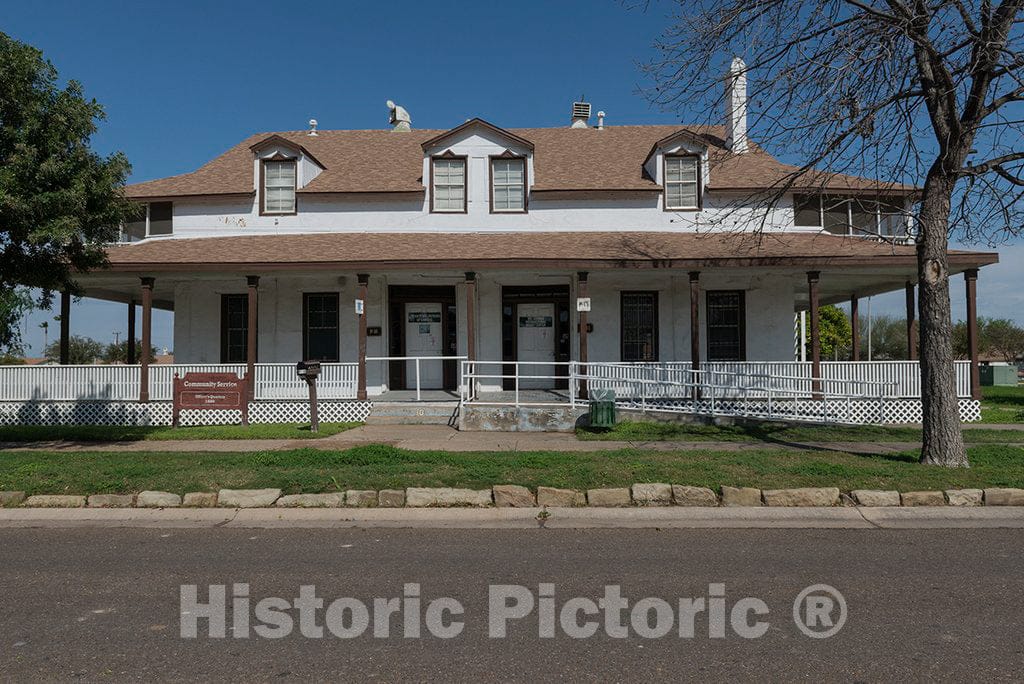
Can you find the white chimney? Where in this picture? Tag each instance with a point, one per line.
(580, 114)
(736, 107)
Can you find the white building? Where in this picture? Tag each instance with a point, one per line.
(682, 245)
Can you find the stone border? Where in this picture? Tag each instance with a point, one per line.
(642, 494)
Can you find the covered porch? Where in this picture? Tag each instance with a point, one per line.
(486, 328)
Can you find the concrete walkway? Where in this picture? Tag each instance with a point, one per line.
(444, 438)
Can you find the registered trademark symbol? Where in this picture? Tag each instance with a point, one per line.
(819, 611)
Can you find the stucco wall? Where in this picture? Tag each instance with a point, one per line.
(769, 314)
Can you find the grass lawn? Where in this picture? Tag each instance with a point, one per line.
(1002, 404)
(378, 467)
(641, 431)
(107, 433)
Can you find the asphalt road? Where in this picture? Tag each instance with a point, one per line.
(104, 604)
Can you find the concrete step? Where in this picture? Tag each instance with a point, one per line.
(413, 413)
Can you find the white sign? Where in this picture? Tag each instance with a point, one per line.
(360, 307)
(583, 303)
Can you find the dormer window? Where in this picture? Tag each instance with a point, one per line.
(278, 186)
(682, 182)
(448, 178)
(508, 184)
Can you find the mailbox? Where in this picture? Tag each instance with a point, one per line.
(308, 369)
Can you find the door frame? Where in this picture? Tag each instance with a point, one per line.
(398, 297)
(514, 295)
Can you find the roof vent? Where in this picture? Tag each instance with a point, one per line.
(398, 118)
(312, 128)
(580, 114)
(600, 120)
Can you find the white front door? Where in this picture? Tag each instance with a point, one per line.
(423, 338)
(536, 342)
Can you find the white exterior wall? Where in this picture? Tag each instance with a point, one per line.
(321, 213)
(197, 320)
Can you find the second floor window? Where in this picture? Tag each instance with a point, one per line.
(449, 179)
(279, 187)
(682, 183)
(508, 185)
(839, 215)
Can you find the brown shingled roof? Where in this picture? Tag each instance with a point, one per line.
(515, 250)
(565, 159)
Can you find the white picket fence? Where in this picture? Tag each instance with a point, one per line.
(274, 381)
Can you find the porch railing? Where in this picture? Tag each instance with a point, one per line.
(903, 377)
(277, 381)
(418, 360)
(274, 381)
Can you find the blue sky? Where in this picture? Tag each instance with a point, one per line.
(183, 81)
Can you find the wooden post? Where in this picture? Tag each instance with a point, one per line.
(147, 344)
(471, 315)
(855, 326)
(971, 281)
(582, 292)
(130, 352)
(812, 294)
(911, 327)
(65, 327)
(364, 280)
(251, 342)
(695, 329)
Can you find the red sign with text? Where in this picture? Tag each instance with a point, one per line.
(207, 391)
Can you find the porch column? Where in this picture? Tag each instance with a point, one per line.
(65, 327)
(253, 283)
(582, 291)
(130, 351)
(911, 346)
(855, 326)
(364, 280)
(695, 329)
(147, 344)
(471, 315)
(812, 295)
(971, 280)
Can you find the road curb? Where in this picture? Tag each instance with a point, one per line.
(520, 518)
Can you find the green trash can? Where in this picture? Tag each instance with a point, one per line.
(602, 408)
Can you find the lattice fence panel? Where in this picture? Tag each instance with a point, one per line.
(892, 411)
(159, 413)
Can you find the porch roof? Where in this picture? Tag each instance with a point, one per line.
(566, 250)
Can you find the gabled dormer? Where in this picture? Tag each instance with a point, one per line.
(679, 164)
(280, 168)
(477, 164)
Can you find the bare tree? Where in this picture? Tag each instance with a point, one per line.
(916, 91)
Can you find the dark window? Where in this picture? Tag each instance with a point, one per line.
(836, 211)
(807, 210)
(234, 328)
(161, 218)
(639, 326)
(726, 326)
(320, 326)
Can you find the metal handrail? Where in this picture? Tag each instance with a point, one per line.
(418, 359)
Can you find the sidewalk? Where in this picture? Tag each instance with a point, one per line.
(444, 438)
(942, 517)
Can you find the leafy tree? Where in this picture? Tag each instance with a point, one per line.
(888, 338)
(81, 350)
(901, 90)
(60, 202)
(118, 353)
(1004, 339)
(834, 332)
(15, 302)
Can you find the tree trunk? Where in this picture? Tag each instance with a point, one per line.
(943, 441)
